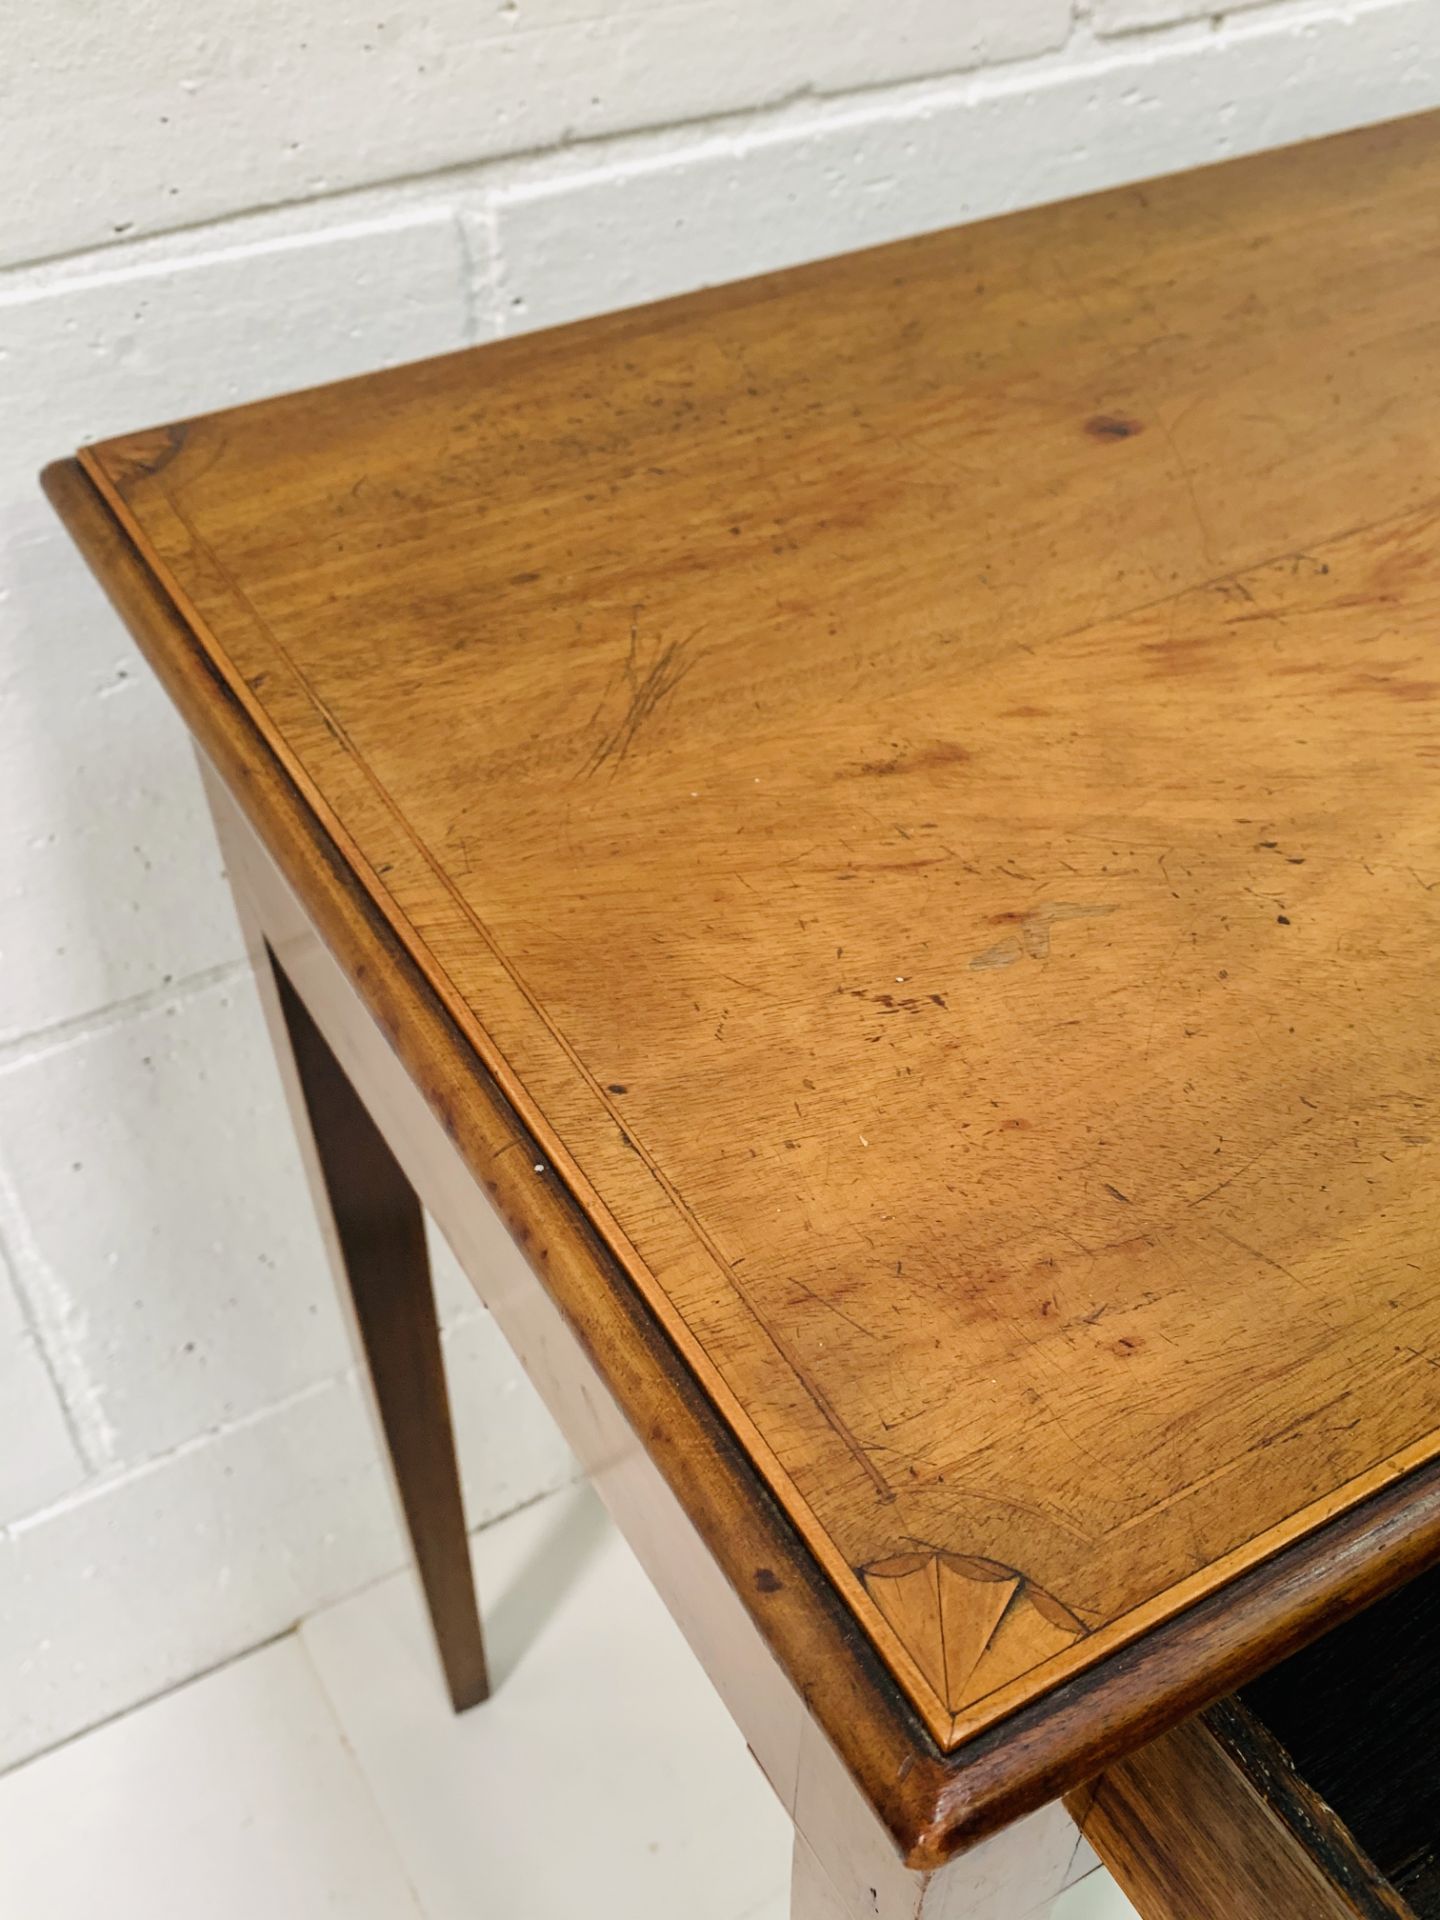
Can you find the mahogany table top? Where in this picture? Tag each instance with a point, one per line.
(920, 778)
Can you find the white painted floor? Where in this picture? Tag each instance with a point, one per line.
(325, 1774)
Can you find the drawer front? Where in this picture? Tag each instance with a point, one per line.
(1313, 1794)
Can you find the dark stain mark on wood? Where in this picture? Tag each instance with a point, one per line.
(150, 453)
(936, 753)
(1113, 426)
(896, 1003)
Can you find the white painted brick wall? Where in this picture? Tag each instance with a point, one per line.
(191, 118)
(206, 206)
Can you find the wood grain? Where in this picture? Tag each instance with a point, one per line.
(750, 1583)
(916, 777)
(1211, 1822)
(933, 1805)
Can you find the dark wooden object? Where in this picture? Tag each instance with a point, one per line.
(381, 1232)
(1313, 1794)
(1359, 1715)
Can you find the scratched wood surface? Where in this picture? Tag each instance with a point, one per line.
(921, 777)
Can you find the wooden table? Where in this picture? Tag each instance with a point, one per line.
(887, 818)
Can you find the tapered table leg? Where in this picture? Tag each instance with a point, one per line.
(379, 1228)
